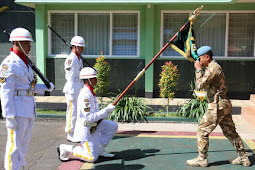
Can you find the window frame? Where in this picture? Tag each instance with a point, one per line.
(227, 12)
(111, 31)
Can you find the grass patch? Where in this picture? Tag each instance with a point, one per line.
(162, 114)
(50, 111)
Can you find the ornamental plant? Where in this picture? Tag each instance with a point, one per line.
(129, 109)
(103, 72)
(193, 108)
(168, 81)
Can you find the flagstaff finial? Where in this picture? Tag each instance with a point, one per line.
(195, 14)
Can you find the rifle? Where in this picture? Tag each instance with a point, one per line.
(31, 64)
(68, 45)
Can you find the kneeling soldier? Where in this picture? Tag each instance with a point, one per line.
(93, 132)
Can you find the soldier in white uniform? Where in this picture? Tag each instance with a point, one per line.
(91, 129)
(18, 86)
(73, 66)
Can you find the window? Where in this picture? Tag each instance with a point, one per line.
(171, 24)
(63, 24)
(95, 29)
(116, 34)
(211, 29)
(241, 35)
(124, 34)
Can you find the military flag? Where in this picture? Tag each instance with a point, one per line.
(185, 43)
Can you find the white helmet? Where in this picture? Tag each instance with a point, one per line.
(78, 41)
(20, 34)
(87, 73)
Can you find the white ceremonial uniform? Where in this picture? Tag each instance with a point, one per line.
(73, 65)
(88, 112)
(17, 100)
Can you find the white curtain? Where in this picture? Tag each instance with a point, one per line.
(210, 29)
(95, 29)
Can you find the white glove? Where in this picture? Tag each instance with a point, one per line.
(51, 87)
(11, 123)
(109, 108)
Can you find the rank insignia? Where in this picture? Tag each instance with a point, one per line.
(86, 100)
(2, 79)
(87, 109)
(68, 69)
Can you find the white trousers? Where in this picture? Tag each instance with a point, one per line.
(71, 113)
(17, 143)
(90, 148)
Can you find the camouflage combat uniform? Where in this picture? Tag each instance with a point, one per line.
(219, 109)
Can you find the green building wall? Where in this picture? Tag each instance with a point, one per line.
(124, 70)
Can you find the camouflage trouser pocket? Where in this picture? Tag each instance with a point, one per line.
(209, 120)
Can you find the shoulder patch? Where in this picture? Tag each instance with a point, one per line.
(69, 62)
(5, 67)
(3, 73)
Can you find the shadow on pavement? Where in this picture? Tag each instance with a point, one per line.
(119, 166)
(126, 134)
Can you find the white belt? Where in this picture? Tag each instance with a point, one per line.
(24, 93)
(90, 124)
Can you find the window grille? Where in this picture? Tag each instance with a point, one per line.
(63, 24)
(124, 36)
(241, 35)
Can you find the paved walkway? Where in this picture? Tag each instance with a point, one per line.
(136, 145)
(165, 145)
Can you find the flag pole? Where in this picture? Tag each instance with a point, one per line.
(140, 74)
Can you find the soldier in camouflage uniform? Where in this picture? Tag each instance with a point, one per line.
(218, 112)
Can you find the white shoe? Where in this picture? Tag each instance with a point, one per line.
(103, 153)
(70, 138)
(63, 153)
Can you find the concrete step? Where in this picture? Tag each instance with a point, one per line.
(252, 98)
(249, 114)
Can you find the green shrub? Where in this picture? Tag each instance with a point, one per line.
(129, 109)
(193, 108)
(103, 72)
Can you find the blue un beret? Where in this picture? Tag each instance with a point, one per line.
(203, 50)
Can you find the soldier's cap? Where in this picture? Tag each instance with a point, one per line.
(203, 50)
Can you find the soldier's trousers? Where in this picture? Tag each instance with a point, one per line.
(208, 123)
(17, 143)
(71, 113)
